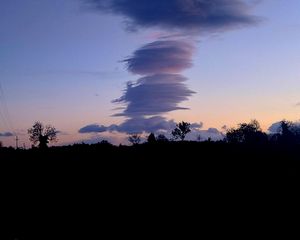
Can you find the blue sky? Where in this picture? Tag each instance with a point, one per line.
(61, 63)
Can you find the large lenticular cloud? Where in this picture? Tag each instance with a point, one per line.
(161, 87)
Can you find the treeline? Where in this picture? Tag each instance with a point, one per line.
(218, 159)
(286, 133)
(283, 133)
(246, 152)
(246, 142)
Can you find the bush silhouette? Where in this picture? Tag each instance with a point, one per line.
(249, 133)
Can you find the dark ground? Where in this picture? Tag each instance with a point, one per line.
(86, 190)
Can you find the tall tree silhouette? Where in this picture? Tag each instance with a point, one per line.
(199, 138)
(289, 132)
(181, 130)
(249, 133)
(151, 138)
(42, 135)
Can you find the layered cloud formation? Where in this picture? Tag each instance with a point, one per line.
(182, 15)
(161, 88)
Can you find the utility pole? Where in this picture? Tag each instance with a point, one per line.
(17, 142)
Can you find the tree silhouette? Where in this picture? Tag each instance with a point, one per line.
(199, 138)
(181, 130)
(134, 139)
(42, 135)
(151, 138)
(1, 145)
(249, 133)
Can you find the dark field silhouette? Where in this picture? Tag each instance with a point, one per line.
(59, 191)
(230, 158)
(73, 184)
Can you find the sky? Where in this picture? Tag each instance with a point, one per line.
(101, 69)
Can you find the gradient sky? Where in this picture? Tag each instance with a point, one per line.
(62, 63)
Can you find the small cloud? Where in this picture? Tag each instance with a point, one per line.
(61, 133)
(196, 125)
(93, 128)
(6, 134)
(275, 128)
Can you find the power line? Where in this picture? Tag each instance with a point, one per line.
(5, 113)
(2, 114)
(3, 119)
